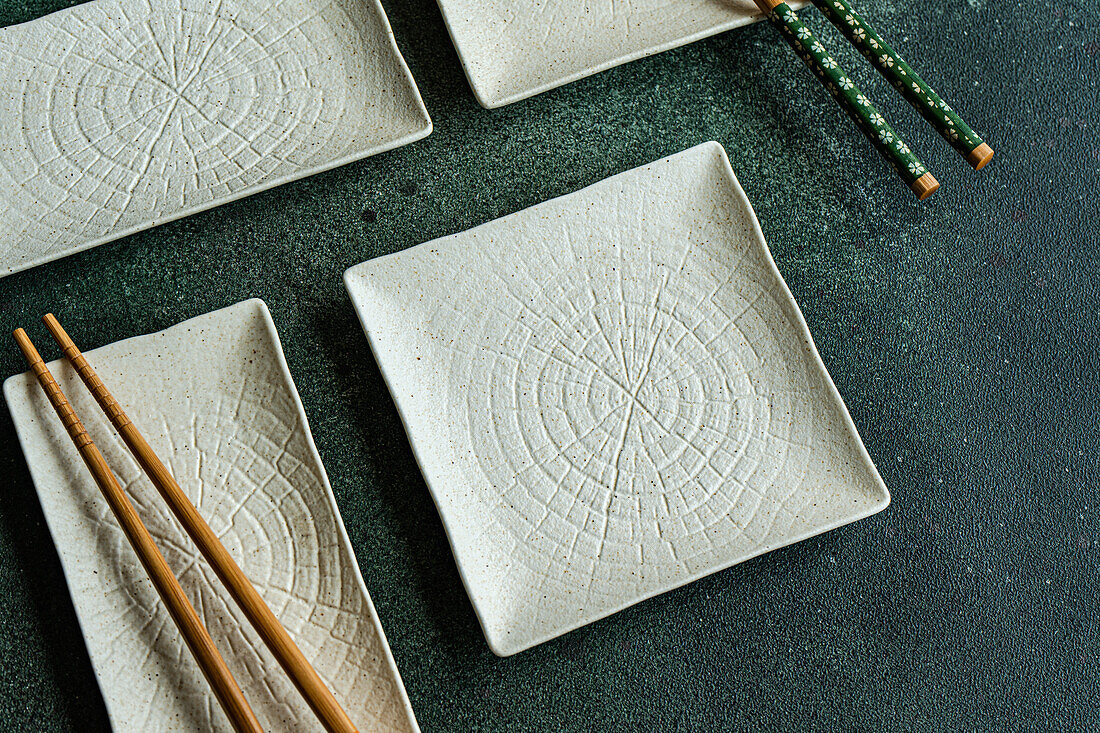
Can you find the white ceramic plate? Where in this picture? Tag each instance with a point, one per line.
(611, 394)
(215, 399)
(117, 115)
(514, 49)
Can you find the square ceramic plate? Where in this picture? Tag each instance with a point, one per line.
(514, 49)
(611, 394)
(215, 399)
(117, 115)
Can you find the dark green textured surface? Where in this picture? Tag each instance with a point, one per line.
(961, 332)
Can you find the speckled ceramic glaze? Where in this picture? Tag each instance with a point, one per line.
(117, 115)
(514, 49)
(611, 394)
(215, 400)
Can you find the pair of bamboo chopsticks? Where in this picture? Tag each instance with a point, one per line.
(229, 694)
(921, 96)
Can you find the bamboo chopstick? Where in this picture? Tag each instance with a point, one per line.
(290, 657)
(848, 96)
(921, 96)
(183, 613)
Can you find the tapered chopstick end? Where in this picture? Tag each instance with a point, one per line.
(59, 335)
(925, 186)
(27, 347)
(53, 324)
(22, 339)
(980, 156)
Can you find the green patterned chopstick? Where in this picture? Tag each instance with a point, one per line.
(848, 96)
(902, 76)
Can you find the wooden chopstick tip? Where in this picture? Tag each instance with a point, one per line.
(27, 347)
(58, 333)
(980, 156)
(925, 186)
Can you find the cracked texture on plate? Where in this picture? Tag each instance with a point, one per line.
(514, 49)
(117, 115)
(611, 394)
(214, 398)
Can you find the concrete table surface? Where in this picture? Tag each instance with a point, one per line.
(962, 332)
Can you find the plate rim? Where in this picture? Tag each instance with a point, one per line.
(493, 101)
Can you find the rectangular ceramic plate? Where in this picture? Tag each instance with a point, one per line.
(117, 115)
(611, 394)
(514, 49)
(215, 399)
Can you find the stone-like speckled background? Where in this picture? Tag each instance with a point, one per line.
(961, 332)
